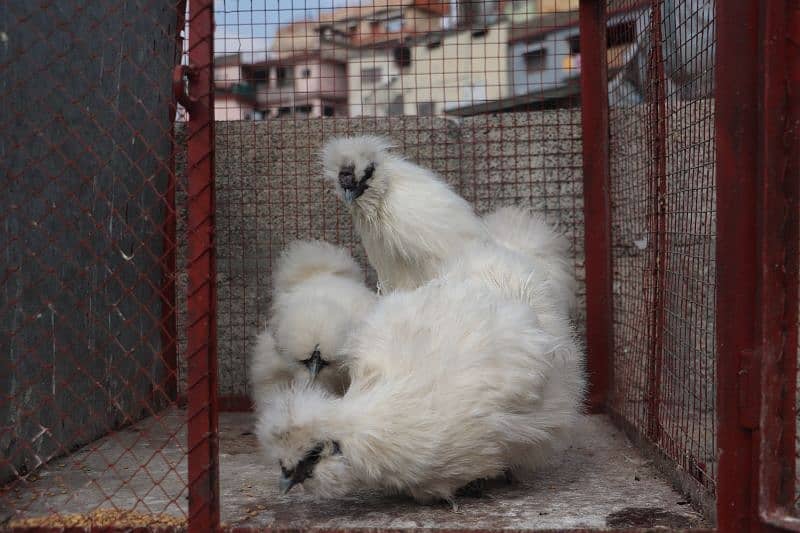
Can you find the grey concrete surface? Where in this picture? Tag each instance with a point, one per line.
(601, 480)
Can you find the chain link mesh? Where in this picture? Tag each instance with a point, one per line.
(88, 356)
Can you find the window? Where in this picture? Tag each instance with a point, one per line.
(425, 109)
(433, 45)
(396, 106)
(283, 111)
(394, 25)
(306, 73)
(327, 111)
(402, 56)
(283, 77)
(303, 110)
(371, 75)
(574, 44)
(352, 28)
(620, 34)
(535, 60)
(260, 75)
(479, 34)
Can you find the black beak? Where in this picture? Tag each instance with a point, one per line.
(347, 177)
(285, 484)
(315, 365)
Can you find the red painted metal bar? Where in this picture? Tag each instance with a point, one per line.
(597, 201)
(779, 233)
(227, 403)
(235, 404)
(736, 125)
(201, 387)
(657, 180)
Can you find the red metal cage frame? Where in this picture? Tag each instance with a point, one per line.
(757, 198)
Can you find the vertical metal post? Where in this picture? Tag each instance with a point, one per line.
(201, 386)
(657, 181)
(779, 232)
(597, 201)
(738, 367)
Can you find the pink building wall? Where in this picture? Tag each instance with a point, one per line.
(227, 76)
(227, 107)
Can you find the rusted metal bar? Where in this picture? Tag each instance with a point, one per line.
(779, 235)
(736, 126)
(227, 403)
(201, 387)
(597, 201)
(657, 179)
(179, 74)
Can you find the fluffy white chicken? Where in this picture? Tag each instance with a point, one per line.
(450, 383)
(548, 251)
(513, 276)
(408, 218)
(319, 298)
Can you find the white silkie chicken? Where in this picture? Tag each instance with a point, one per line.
(548, 251)
(319, 297)
(513, 276)
(408, 218)
(450, 383)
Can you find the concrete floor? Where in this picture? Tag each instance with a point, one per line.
(601, 481)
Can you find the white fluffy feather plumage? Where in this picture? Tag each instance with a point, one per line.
(451, 382)
(319, 297)
(409, 219)
(468, 369)
(548, 251)
(512, 276)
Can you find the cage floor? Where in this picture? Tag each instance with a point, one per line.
(601, 481)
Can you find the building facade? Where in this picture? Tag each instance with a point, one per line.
(433, 75)
(308, 85)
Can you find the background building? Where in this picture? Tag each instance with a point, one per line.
(433, 75)
(310, 85)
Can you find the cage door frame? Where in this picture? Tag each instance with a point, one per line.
(201, 351)
(779, 210)
(756, 299)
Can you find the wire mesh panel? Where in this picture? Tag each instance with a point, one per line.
(483, 92)
(89, 428)
(662, 150)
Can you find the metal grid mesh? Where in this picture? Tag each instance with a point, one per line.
(662, 174)
(482, 92)
(87, 233)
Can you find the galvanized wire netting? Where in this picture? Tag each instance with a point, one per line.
(96, 226)
(454, 87)
(662, 172)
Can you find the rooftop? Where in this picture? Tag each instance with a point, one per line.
(366, 9)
